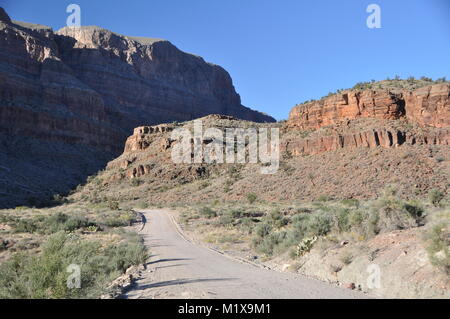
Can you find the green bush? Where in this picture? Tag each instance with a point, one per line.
(323, 198)
(276, 219)
(235, 213)
(45, 276)
(113, 205)
(25, 226)
(262, 230)
(396, 214)
(251, 197)
(51, 224)
(207, 212)
(269, 244)
(438, 249)
(118, 219)
(225, 220)
(436, 197)
(135, 182)
(319, 224)
(351, 202)
(246, 224)
(343, 220)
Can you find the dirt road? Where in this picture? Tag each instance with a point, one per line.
(179, 268)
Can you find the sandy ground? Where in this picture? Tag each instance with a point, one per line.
(179, 268)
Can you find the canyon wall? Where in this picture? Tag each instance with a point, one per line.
(422, 116)
(83, 91)
(428, 106)
(381, 137)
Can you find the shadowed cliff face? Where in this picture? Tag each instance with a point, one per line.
(85, 90)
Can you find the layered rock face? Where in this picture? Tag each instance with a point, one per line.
(382, 137)
(428, 106)
(88, 88)
(150, 80)
(350, 105)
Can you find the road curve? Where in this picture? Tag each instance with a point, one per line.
(179, 268)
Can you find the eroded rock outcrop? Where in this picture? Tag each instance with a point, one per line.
(369, 139)
(88, 88)
(348, 105)
(427, 106)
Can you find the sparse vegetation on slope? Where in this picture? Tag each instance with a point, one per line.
(343, 230)
(39, 244)
(396, 84)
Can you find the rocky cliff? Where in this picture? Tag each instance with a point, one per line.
(428, 106)
(83, 91)
(370, 118)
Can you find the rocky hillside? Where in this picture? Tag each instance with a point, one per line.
(69, 99)
(351, 145)
(427, 106)
(329, 124)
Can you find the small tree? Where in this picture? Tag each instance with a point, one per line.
(251, 198)
(436, 197)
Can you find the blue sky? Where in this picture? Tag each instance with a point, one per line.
(279, 53)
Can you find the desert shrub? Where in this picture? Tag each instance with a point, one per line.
(135, 182)
(228, 238)
(120, 219)
(323, 198)
(350, 202)
(396, 214)
(276, 219)
(184, 218)
(114, 205)
(268, 244)
(319, 224)
(45, 276)
(207, 212)
(25, 226)
(372, 224)
(438, 249)
(246, 224)
(415, 209)
(356, 218)
(76, 222)
(251, 198)
(125, 254)
(54, 222)
(262, 230)
(436, 197)
(225, 220)
(60, 221)
(343, 220)
(142, 205)
(236, 213)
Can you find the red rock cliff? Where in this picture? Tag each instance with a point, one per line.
(83, 91)
(427, 106)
